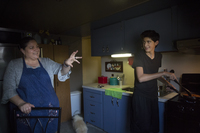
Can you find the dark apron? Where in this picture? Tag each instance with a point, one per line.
(35, 87)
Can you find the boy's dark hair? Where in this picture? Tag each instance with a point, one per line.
(24, 42)
(151, 34)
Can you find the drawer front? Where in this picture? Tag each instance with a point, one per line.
(93, 109)
(94, 121)
(96, 97)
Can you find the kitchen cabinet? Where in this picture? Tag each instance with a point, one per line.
(160, 21)
(93, 107)
(186, 21)
(124, 37)
(46, 51)
(59, 53)
(161, 106)
(117, 114)
(108, 40)
(114, 115)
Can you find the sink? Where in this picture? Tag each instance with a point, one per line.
(128, 89)
(164, 93)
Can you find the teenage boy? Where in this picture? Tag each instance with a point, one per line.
(145, 97)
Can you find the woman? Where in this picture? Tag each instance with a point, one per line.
(145, 97)
(28, 83)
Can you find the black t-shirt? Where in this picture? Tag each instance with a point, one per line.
(149, 88)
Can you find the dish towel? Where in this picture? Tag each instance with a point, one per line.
(114, 92)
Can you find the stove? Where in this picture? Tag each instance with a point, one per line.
(184, 109)
(182, 116)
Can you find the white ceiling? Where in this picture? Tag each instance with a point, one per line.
(58, 16)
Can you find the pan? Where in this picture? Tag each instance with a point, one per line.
(189, 97)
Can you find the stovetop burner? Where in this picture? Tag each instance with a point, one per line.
(178, 105)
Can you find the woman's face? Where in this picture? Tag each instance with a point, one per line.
(149, 45)
(32, 50)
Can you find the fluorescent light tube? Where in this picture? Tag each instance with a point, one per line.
(121, 55)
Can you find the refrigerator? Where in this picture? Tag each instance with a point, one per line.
(8, 52)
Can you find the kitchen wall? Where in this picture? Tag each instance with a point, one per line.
(91, 65)
(180, 63)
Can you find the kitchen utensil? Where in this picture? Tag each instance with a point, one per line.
(190, 98)
(188, 92)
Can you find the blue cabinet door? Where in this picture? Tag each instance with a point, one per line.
(161, 106)
(107, 40)
(117, 114)
(123, 108)
(160, 21)
(109, 114)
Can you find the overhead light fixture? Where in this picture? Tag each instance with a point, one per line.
(121, 55)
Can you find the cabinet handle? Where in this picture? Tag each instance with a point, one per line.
(103, 49)
(91, 96)
(107, 49)
(112, 101)
(92, 105)
(92, 113)
(118, 102)
(92, 121)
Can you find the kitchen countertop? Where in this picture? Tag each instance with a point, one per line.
(95, 86)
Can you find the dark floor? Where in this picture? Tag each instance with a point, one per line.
(66, 127)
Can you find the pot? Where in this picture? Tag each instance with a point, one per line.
(188, 97)
(113, 81)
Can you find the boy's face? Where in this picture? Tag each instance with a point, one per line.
(149, 45)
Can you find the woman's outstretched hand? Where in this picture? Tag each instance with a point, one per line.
(72, 58)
